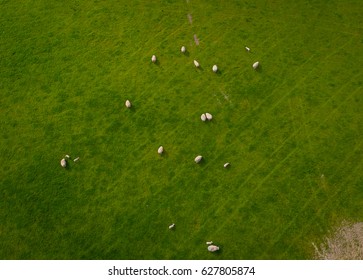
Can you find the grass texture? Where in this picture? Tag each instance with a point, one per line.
(292, 130)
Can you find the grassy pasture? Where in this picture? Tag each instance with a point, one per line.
(67, 68)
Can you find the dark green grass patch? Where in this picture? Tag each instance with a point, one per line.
(292, 130)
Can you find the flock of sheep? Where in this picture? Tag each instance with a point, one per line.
(204, 117)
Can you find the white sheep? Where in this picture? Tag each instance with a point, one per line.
(215, 68)
(76, 159)
(209, 116)
(63, 162)
(198, 159)
(67, 156)
(209, 242)
(160, 150)
(183, 49)
(226, 164)
(153, 58)
(255, 65)
(196, 63)
(171, 226)
(128, 104)
(247, 49)
(203, 117)
(213, 248)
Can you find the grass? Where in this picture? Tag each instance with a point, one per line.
(68, 67)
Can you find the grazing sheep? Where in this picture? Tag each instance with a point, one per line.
(67, 156)
(203, 117)
(76, 159)
(183, 49)
(215, 68)
(160, 150)
(209, 242)
(198, 159)
(63, 162)
(153, 58)
(247, 49)
(196, 63)
(128, 104)
(255, 65)
(213, 248)
(209, 116)
(171, 226)
(226, 165)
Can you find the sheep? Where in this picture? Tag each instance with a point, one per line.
(183, 49)
(128, 104)
(213, 248)
(255, 65)
(63, 162)
(209, 242)
(198, 159)
(67, 156)
(153, 58)
(171, 226)
(76, 159)
(160, 150)
(226, 164)
(203, 117)
(215, 68)
(209, 116)
(196, 63)
(247, 49)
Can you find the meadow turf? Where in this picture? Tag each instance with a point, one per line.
(66, 69)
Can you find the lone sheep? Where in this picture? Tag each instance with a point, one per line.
(160, 150)
(213, 248)
(255, 65)
(226, 165)
(196, 63)
(209, 116)
(215, 68)
(63, 162)
(153, 58)
(183, 49)
(247, 49)
(128, 104)
(203, 117)
(198, 159)
(171, 226)
(76, 159)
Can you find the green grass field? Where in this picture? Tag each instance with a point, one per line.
(67, 68)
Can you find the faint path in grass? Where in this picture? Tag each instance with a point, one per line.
(190, 19)
(196, 40)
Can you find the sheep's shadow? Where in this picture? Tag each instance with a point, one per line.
(164, 154)
(200, 68)
(259, 69)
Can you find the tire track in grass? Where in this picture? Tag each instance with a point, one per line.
(273, 153)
